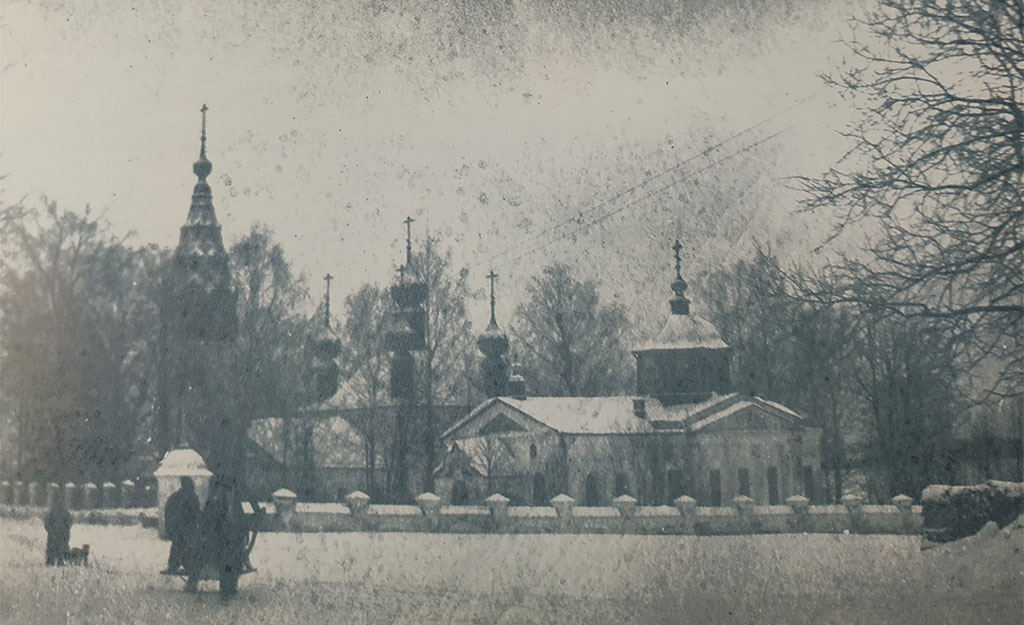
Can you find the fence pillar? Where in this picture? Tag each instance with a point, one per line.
(563, 505)
(744, 508)
(70, 499)
(109, 495)
(498, 505)
(687, 507)
(358, 503)
(855, 508)
(284, 504)
(90, 496)
(127, 494)
(430, 506)
(626, 506)
(801, 512)
(35, 495)
(905, 505)
(51, 493)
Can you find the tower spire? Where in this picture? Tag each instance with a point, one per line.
(327, 300)
(492, 276)
(408, 241)
(680, 305)
(203, 166)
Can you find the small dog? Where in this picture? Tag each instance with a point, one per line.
(78, 556)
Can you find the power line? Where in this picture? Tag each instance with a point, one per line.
(651, 194)
(647, 181)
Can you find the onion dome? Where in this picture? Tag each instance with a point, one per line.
(493, 343)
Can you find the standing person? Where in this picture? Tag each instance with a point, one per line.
(180, 516)
(58, 530)
(222, 540)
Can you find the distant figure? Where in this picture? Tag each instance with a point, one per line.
(58, 530)
(180, 518)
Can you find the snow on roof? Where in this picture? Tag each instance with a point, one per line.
(615, 415)
(582, 415)
(685, 332)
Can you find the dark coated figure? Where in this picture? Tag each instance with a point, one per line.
(222, 543)
(180, 518)
(58, 530)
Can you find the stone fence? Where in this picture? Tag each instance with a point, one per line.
(564, 516)
(78, 496)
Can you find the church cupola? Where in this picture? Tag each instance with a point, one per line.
(687, 361)
(493, 343)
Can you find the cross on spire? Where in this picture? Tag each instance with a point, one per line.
(327, 300)
(202, 138)
(675, 248)
(492, 276)
(408, 240)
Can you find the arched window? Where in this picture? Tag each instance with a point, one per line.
(621, 485)
(592, 490)
(533, 451)
(460, 493)
(715, 487)
(743, 482)
(540, 490)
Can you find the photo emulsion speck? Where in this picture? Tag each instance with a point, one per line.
(512, 312)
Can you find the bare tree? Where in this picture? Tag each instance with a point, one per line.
(934, 179)
(448, 340)
(571, 342)
(77, 308)
(365, 365)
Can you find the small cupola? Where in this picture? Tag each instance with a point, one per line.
(493, 343)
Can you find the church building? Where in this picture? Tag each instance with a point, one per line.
(685, 432)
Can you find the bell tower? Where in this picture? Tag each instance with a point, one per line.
(687, 361)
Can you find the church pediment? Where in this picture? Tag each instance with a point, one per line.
(500, 424)
(494, 417)
(750, 414)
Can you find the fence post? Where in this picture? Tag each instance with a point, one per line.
(109, 495)
(127, 494)
(284, 505)
(430, 506)
(905, 505)
(498, 505)
(51, 493)
(90, 496)
(626, 506)
(563, 505)
(358, 503)
(70, 496)
(687, 507)
(744, 507)
(34, 494)
(854, 506)
(801, 512)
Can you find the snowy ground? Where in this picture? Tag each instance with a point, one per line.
(423, 578)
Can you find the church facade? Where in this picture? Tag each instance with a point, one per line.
(685, 432)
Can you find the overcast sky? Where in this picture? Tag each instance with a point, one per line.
(489, 122)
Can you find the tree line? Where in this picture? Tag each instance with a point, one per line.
(905, 349)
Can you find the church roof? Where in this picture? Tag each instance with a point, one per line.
(616, 415)
(685, 332)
